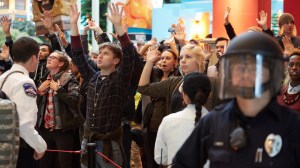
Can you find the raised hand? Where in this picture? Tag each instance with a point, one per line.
(226, 16)
(152, 42)
(61, 36)
(288, 46)
(180, 32)
(207, 50)
(115, 14)
(170, 40)
(95, 27)
(5, 24)
(263, 20)
(116, 18)
(74, 14)
(153, 55)
(48, 21)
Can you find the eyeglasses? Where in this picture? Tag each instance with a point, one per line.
(241, 69)
(51, 57)
(292, 64)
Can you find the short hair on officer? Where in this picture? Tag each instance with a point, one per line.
(24, 48)
(260, 50)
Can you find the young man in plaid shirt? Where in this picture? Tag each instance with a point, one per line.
(107, 90)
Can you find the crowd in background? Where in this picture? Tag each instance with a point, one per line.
(138, 101)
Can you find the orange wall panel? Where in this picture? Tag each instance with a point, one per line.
(292, 7)
(243, 14)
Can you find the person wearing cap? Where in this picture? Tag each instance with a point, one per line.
(290, 94)
(287, 29)
(252, 129)
(195, 90)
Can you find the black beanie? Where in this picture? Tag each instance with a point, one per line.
(193, 82)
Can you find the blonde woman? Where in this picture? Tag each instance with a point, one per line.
(287, 34)
(191, 60)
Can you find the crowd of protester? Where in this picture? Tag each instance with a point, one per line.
(139, 102)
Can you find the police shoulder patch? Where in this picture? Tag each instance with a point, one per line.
(29, 89)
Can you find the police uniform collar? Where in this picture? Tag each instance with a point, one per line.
(18, 67)
(272, 108)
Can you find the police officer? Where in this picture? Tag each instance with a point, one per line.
(252, 129)
(20, 89)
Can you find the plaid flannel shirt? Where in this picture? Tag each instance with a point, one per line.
(106, 98)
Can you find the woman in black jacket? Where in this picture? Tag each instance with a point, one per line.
(59, 114)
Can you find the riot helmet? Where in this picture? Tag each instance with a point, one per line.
(253, 63)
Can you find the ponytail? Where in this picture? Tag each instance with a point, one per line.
(199, 100)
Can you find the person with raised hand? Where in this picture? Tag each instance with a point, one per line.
(262, 22)
(107, 90)
(48, 24)
(5, 23)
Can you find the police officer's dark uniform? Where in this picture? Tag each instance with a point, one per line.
(226, 137)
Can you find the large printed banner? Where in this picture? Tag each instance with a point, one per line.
(138, 13)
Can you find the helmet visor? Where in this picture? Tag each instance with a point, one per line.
(247, 75)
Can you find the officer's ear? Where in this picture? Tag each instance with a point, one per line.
(34, 60)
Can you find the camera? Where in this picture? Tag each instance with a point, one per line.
(172, 30)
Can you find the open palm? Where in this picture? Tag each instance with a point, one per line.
(115, 14)
(74, 14)
(5, 24)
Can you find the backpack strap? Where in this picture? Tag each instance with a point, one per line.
(8, 76)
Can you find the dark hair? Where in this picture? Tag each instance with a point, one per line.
(221, 39)
(172, 52)
(63, 57)
(116, 49)
(208, 36)
(194, 41)
(197, 87)
(295, 53)
(49, 47)
(24, 48)
(162, 46)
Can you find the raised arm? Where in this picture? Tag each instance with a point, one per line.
(145, 48)
(229, 29)
(48, 24)
(5, 24)
(78, 56)
(262, 22)
(152, 58)
(84, 39)
(129, 52)
(180, 34)
(115, 18)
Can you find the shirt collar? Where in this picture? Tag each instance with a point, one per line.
(18, 67)
(272, 109)
(293, 90)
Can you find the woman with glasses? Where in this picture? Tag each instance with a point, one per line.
(59, 114)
